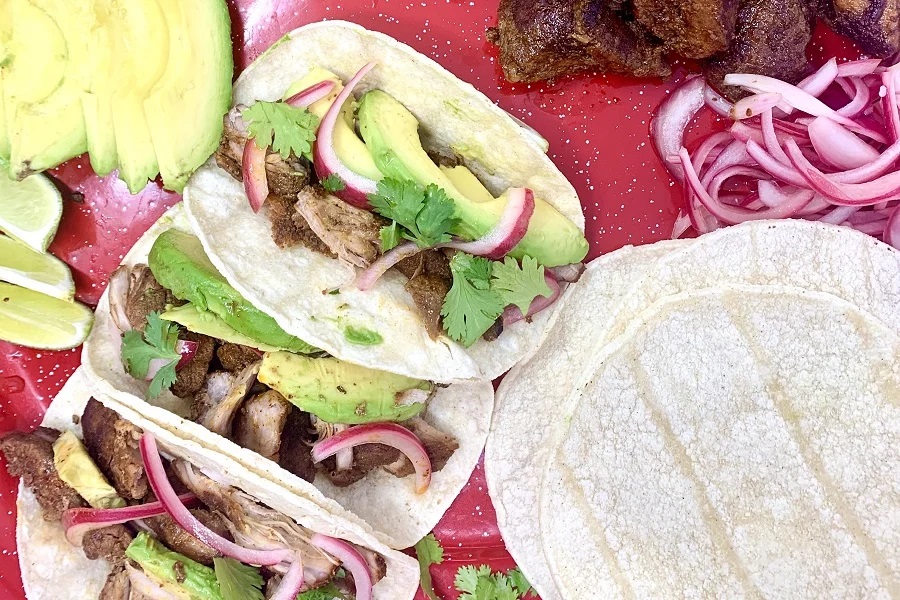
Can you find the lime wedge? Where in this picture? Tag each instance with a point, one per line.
(30, 210)
(42, 273)
(36, 320)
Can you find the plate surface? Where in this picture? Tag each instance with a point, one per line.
(597, 126)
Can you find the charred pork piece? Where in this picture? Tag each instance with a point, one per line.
(145, 295)
(352, 234)
(429, 281)
(873, 24)
(219, 417)
(118, 587)
(440, 447)
(288, 230)
(616, 42)
(691, 29)
(296, 440)
(235, 358)
(179, 540)
(30, 456)
(108, 543)
(191, 377)
(113, 443)
(770, 39)
(260, 422)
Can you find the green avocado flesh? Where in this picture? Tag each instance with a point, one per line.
(207, 323)
(76, 467)
(142, 85)
(172, 571)
(392, 134)
(340, 392)
(178, 262)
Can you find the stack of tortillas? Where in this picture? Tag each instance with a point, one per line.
(711, 418)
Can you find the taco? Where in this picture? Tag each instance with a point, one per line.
(405, 222)
(117, 508)
(392, 449)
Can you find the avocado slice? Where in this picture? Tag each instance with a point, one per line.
(5, 59)
(340, 392)
(178, 262)
(173, 572)
(76, 467)
(199, 36)
(97, 88)
(206, 323)
(465, 181)
(391, 133)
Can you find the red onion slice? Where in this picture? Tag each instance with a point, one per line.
(859, 99)
(162, 488)
(351, 560)
(839, 147)
(79, 521)
(717, 103)
(568, 273)
(753, 106)
(187, 349)
(681, 225)
(512, 314)
(819, 81)
(311, 95)
(889, 104)
(859, 68)
(771, 165)
(388, 434)
(509, 230)
(253, 172)
(292, 583)
(326, 160)
(367, 278)
(117, 295)
(770, 137)
(672, 118)
(892, 229)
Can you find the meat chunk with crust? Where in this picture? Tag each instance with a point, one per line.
(429, 281)
(260, 422)
(108, 543)
(113, 443)
(118, 587)
(174, 537)
(696, 29)
(616, 42)
(191, 377)
(235, 358)
(873, 24)
(296, 442)
(30, 456)
(145, 295)
(288, 230)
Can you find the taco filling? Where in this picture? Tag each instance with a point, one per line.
(185, 328)
(169, 530)
(354, 180)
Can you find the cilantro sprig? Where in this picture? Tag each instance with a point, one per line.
(238, 581)
(520, 284)
(426, 215)
(157, 342)
(284, 127)
(333, 183)
(480, 583)
(428, 552)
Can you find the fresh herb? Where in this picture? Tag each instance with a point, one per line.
(284, 127)
(426, 214)
(520, 285)
(238, 581)
(333, 183)
(326, 592)
(479, 583)
(157, 342)
(471, 306)
(428, 552)
(390, 236)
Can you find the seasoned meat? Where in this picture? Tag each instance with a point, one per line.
(873, 24)
(219, 417)
(213, 392)
(296, 441)
(191, 377)
(113, 443)
(260, 421)
(109, 543)
(494, 331)
(440, 447)
(235, 358)
(366, 457)
(288, 229)
(179, 540)
(429, 281)
(118, 586)
(350, 233)
(696, 29)
(770, 39)
(616, 42)
(145, 295)
(30, 456)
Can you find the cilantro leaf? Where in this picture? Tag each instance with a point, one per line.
(398, 200)
(427, 214)
(517, 579)
(428, 552)
(157, 342)
(390, 236)
(479, 583)
(283, 127)
(333, 183)
(238, 581)
(326, 592)
(471, 306)
(435, 220)
(520, 285)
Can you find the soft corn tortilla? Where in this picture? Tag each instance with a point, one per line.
(452, 114)
(530, 401)
(389, 504)
(50, 564)
(741, 441)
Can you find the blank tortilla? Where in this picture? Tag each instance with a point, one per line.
(524, 421)
(738, 442)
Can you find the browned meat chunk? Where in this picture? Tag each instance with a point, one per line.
(770, 39)
(695, 29)
(350, 233)
(873, 24)
(118, 587)
(616, 42)
(219, 417)
(366, 457)
(109, 543)
(296, 440)
(192, 375)
(429, 281)
(145, 295)
(440, 447)
(259, 423)
(235, 358)
(30, 456)
(288, 230)
(113, 444)
(179, 540)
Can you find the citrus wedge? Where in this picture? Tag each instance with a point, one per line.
(30, 210)
(42, 273)
(36, 320)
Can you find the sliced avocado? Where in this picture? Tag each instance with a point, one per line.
(465, 181)
(174, 572)
(340, 392)
(391, 133)
(178, 262)
(5, 59)
(97, 89)
(76, 467)
(206, 323)
(199, 37)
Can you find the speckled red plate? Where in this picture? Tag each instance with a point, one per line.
(598, 132)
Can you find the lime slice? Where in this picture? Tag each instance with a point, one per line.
(42, 273)
(36, 320)
(30, 210)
